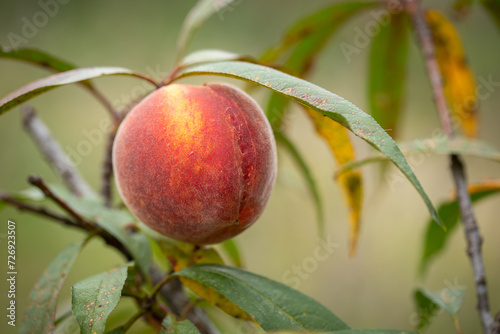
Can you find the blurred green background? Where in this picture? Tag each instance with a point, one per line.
(372, 289)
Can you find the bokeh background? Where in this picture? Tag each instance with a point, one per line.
(372, 289)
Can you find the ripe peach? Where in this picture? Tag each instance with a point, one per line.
(196, 163)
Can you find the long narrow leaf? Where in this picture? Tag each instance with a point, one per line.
(325, 19)
(321, 100)
(428, 146)
(459, 83)
(37, 57)
(337, 138)
(436, 239)
(212, 55)
(38, 87)
(493, 8)
(40, 315)
(200, 12)
(271, 304)
(281, 138)
(387, 73)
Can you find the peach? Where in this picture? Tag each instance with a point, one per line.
(196, 163)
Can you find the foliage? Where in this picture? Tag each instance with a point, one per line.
(281, 69)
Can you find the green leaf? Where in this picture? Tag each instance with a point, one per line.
(426, 309)
(321, 100)
(94, 298)
(118, 223)
(172, 326)
(493, 7)
(271, 304)
(200, 12)
(372, 331)
(311, 35)
(232, 249)
(212, 55)
(435, 238)
(37, 57)
(282, 139)
(158, 257)
(350, 331)
(387, 72)
(40, 315)
(325, 20)
(276, 109)
(38, 87)
(449, 299)
(442, 146)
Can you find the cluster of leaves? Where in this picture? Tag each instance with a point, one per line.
(243, 295)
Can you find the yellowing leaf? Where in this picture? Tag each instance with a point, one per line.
(350, 182)
(215, 298)
(182, 255)
(459, 83)
(484, 186)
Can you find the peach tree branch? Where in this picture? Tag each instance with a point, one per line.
(54, 154)
(472, 235)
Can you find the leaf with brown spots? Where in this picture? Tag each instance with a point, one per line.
(459, 83)
(322, 101)
(323, 22)
(40, 315)
(94, 298)
(309, 37)
(273, 305)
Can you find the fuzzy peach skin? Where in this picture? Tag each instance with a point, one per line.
(196, 163)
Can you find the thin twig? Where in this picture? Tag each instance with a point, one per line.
(37, 210)
(40, 184)
(107, 171)
(473, 238)
(54, 154)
